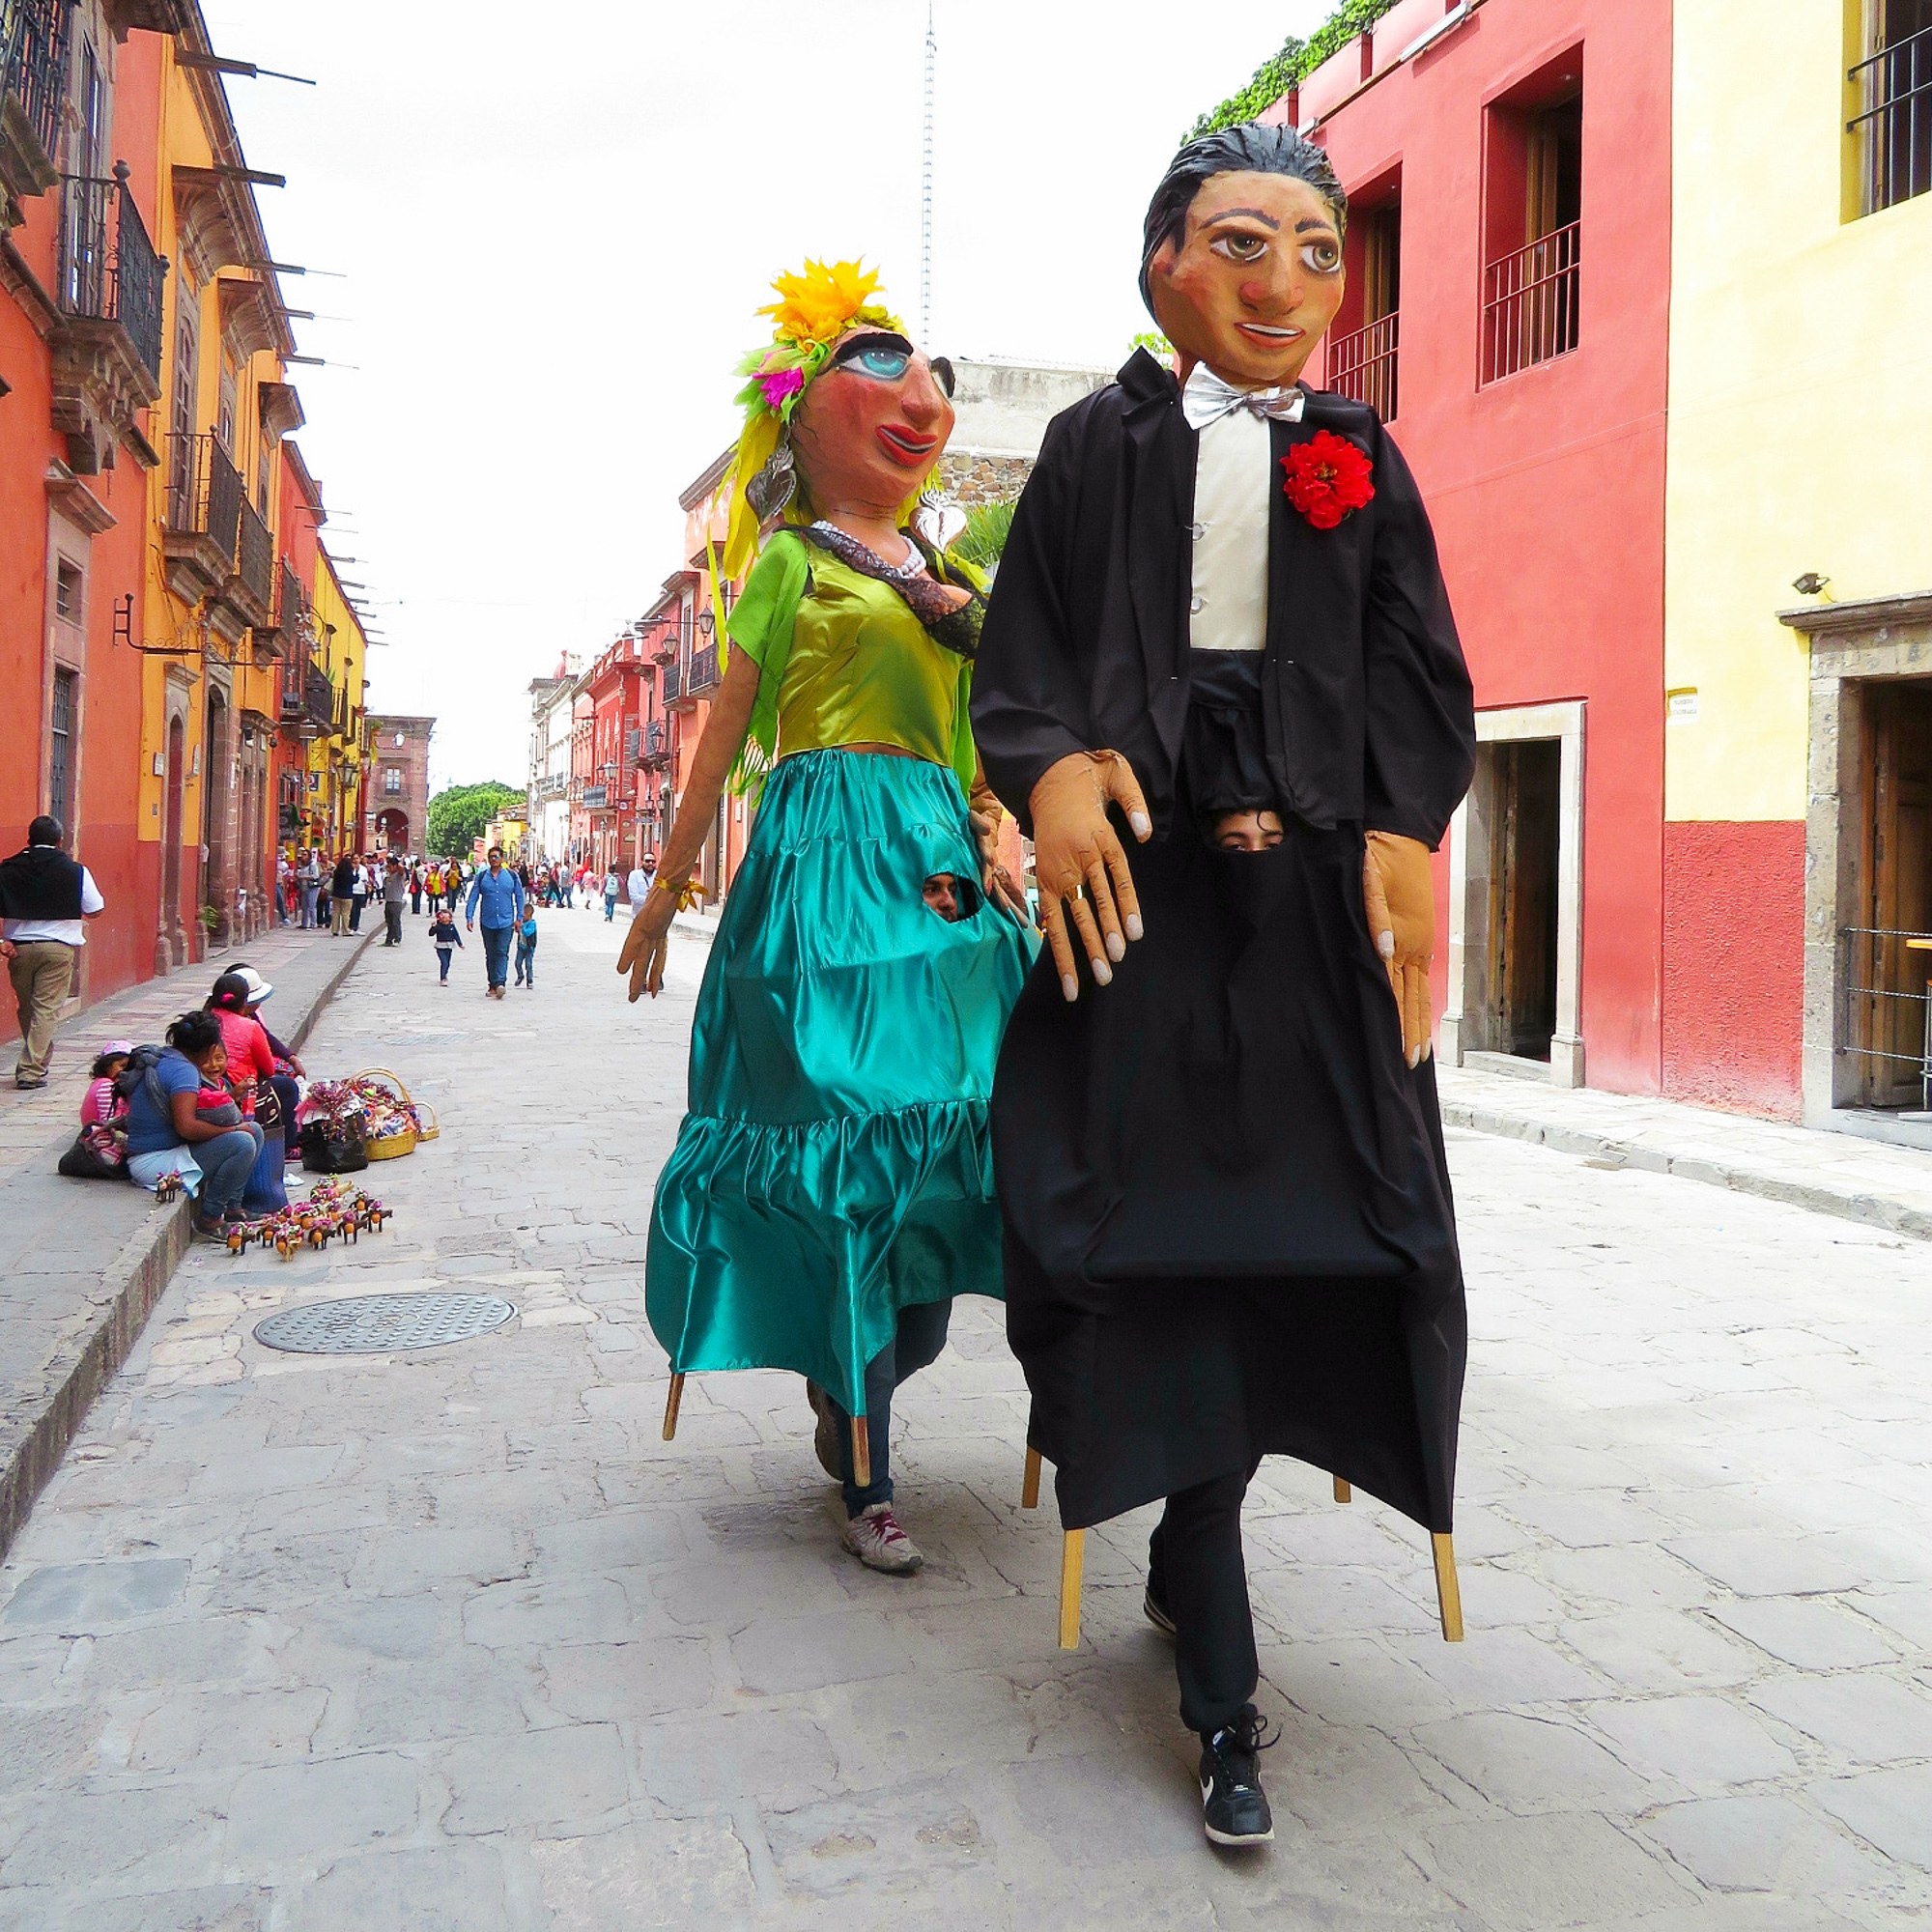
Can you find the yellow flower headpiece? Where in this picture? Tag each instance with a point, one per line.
(814, 308)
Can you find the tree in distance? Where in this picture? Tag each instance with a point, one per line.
(458, 815)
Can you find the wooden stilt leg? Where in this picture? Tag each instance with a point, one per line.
(1344, 1493)
(672, 1403)
(1030, 1482)
(1448, 1592)
(862, 1454)
(1072, 1565)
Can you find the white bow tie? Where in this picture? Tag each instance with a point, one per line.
(1206, 399)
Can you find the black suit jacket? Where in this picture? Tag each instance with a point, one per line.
(1369, 718)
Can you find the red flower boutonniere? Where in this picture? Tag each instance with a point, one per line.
(1328, 478)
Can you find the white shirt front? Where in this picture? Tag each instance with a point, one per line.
(639, 884)
(66, 931)
(1233, 493)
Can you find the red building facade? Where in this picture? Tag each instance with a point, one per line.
(1508, 162)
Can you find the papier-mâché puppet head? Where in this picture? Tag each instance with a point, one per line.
(840, 410)
(1242, 262)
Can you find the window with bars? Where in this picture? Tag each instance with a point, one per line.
(392, 782)
(62, 726)
(1893, 85)
(1532, 276)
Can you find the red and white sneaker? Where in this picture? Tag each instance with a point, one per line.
(874, 1537)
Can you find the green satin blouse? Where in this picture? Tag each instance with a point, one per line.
(843, 661)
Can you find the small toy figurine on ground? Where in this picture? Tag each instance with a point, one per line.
(830, 1192)
(168, 1188)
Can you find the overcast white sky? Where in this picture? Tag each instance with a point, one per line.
(553, 224)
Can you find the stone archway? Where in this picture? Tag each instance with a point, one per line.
(392, 829)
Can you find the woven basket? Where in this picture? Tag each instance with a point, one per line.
(392, 1147)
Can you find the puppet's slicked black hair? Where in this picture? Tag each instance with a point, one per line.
(1252, 148)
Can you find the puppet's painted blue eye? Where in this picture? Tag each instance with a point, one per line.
(887, 365)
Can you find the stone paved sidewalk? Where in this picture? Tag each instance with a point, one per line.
(86, 1260)
(1884, 1185)
(453, 1639)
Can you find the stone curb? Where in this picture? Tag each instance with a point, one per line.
(136, 1277)
(1874, 1211)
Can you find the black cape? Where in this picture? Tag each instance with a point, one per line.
(1227, 1212)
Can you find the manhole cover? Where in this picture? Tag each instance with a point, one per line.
(370, 1325)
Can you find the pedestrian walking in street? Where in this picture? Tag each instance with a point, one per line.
(875, 1026)
(567, 883)
(361, 886)
(499, 895)
(527, 946)
(610, 889)
(308, 887)
(285, 890)
(444, 937)
(342, 898)
(1227, 1228)
(47, 899)
(638, 885)
(416, 887)
(166, 1134)
(395, 883)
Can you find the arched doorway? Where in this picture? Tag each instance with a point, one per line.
(218, 889)
(392, 829)
(166, 950)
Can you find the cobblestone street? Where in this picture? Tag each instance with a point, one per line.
(452, 1640)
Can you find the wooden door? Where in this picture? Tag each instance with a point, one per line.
(1522, 886)
(1901, 903)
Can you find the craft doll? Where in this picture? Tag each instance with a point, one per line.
(831, 1190)
(1220, 685)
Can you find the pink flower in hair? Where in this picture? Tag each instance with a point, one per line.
(778, 386)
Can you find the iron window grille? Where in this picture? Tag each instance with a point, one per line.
(1362, 365)
(109, 269)
(1531, 302)
(1895, 125)
(33, 58)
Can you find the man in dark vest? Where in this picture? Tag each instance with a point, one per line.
(45, 900)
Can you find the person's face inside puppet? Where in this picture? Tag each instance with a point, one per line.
(1254, 281)
(871, 427)
(1248, 831)
(940, 892)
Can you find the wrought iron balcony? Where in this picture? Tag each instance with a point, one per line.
(1363, 366)
(674, 683)
(655, 748)
(1896, 125)
(33, 92)
(251, 589)
(308, 699)
(703, 676)
(108, 269)
(1530, 302)
(202, 535)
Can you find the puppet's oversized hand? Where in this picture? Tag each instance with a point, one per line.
(647, 943)
(1399, 892)
(995, 881)
(1080, 864)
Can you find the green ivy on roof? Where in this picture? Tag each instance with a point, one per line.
(1292, 64)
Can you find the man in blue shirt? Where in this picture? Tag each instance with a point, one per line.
(500, 895)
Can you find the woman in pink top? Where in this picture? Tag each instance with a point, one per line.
(250, 1057)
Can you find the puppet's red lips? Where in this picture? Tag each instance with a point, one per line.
(906, 445)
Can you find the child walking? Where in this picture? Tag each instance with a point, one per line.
(444, 937)
(527, 946)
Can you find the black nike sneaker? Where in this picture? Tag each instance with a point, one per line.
(1234, 1806)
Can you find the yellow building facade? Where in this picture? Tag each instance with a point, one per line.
(1797, 842)
(210, 611)
(338, 758)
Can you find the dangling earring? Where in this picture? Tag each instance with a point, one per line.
(774, 485)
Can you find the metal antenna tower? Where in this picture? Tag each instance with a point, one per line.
(926, 187)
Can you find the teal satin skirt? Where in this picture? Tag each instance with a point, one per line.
(833, 1167)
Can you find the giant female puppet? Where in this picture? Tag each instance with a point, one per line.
(831, 1189)
(1219, 630)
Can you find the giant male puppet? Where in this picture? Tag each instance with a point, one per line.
(1220, 685)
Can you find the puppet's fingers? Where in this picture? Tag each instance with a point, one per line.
(1415, 1011)
(1123, 886)
(1375, 901)
(1085, 925)
(1102, 899)
(1053, 916)
(1125, 789)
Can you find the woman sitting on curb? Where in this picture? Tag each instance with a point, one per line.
(165, 1135)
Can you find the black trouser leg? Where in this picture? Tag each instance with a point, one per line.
(916, 1343)
(1196, 1569)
